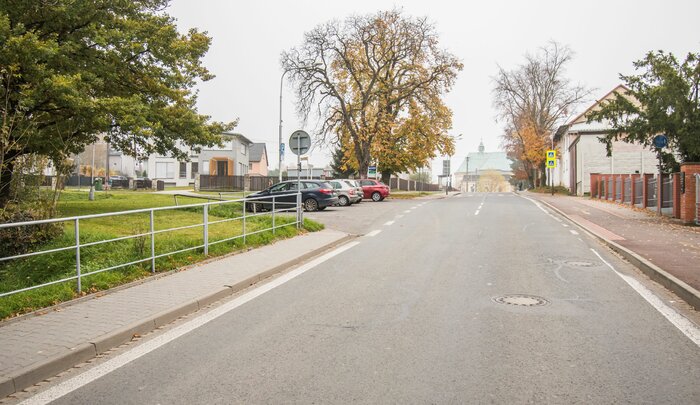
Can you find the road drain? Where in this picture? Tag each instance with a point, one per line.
(521, 300)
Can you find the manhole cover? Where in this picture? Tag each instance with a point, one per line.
(579, 263)
(521, 300)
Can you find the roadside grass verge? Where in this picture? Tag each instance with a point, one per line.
(411, 195)
(547, 190)
(30, 271)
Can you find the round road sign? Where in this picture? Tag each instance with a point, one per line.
(299, 142)
(660, 141)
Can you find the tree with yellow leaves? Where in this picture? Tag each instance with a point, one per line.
(376, 83)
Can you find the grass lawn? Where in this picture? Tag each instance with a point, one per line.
(25, 272)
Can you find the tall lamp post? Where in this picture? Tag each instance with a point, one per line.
(279, 150)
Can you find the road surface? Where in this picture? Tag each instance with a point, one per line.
(438, 303)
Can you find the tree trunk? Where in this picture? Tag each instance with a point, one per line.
(386, 176)
(5, 181)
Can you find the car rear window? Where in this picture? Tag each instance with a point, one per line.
(312, 186)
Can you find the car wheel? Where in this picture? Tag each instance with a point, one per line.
(311, 204)
(343, 201)
(376, 196)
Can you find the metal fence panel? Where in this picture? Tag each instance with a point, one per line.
(667, 194)
(628, 190)
(651, 193)
(618, 189)
(638, 190)
(153, 230)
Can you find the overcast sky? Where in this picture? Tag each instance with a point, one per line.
(606, 37)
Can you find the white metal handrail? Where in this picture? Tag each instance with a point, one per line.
(287, 207)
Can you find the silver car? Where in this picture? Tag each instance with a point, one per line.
(347, 194)
(358, 189)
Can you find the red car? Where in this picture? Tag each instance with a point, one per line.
(374, 189)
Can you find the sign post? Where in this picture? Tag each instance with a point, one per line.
(299, 143)
(446, 174)
(551, 156)
(660, 142)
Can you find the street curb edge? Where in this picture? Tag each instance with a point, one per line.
(48, 368)
(679, 287)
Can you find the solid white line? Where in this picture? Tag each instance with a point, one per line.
(679, 321)
(573, 232)
(477, 212)
(103, 369)
(373, 233)
(388, 223)
(413, 208)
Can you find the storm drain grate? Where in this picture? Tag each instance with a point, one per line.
(521, 300)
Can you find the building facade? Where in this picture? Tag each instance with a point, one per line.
(477, 164)
(230, 159)
(581, 151)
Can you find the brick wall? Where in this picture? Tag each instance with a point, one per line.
(688, 203)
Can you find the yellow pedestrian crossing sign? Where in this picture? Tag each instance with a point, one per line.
(551, 159)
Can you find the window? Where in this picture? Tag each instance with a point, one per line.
(205, 167)
(244, 149)
(242, 169)
(195, 169)
(183, 170)
(366, 182)
(310, 186)
(250, 166)
(165, 170)
(278, 187)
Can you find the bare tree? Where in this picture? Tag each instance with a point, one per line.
(536, 97)
(367, 76)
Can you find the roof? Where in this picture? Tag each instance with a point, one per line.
(620, 88)
(239, 136)
(486, 161)
(256, 152)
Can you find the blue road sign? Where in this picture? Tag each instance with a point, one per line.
(660, 141)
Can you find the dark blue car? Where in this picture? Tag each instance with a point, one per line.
(316, 195)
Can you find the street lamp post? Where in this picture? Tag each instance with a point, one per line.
(279, 150)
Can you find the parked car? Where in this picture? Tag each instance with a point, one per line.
(358, 189)
(374, 189)
(347, 194)
(315, 196)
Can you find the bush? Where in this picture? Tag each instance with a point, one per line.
(22, 239)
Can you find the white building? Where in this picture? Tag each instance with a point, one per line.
(230, 159)
(581, 152)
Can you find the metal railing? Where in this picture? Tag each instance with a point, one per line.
(638, 190)
(618, 189)
(610, 190)
(627, 197)
(651, 193)
(285, 203)
(667, 194)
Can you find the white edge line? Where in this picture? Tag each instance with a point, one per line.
(679, 321)
(373, 233)
(573, 232)
(477, 212)
(388, 223)
(103, 369)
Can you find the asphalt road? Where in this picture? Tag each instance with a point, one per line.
(408, 315)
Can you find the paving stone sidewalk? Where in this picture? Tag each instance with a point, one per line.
(671, 246)
(38, 347)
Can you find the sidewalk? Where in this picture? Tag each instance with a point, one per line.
(666, 251)
(39, 347)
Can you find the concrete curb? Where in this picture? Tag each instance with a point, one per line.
(682, 289)
(59, 363)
